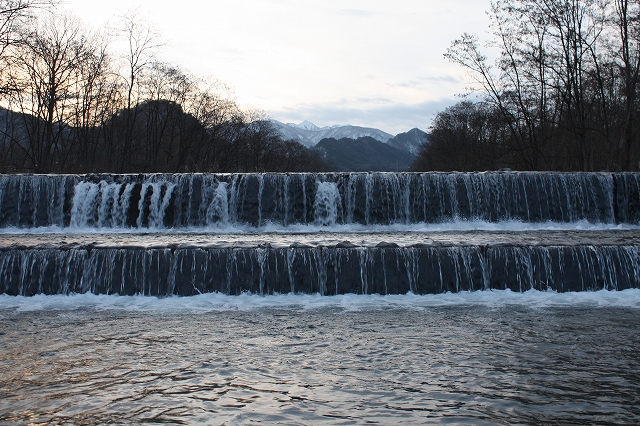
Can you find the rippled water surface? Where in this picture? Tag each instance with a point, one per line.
(351, 360)
(529, 238)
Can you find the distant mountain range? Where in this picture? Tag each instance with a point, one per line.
(309, 134)
(349, 148)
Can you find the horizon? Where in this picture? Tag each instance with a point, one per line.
(368, 64)
(337, 125)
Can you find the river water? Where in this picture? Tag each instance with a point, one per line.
(468, 358)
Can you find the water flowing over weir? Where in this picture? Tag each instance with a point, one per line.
(159, 201)
(172, 206)
(325, 270)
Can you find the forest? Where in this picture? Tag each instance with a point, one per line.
(69, 103)
(562, 94)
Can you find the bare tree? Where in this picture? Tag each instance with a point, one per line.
(14, 15)
(44, 74)
(98, 97)
(627, 22)
(142, 42)
(214, 105)
(556, 81)
(464, 137)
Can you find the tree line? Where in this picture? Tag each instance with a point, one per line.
(70, 104)
(562, 94)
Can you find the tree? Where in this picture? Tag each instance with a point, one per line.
(72, 108)
(14, 15)
(46, 71)
(142, 43)
(565, 81)
(98, 96)
(464, 137)
(627, 23)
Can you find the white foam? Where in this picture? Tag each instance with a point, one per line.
(215, 302)
(513, 226)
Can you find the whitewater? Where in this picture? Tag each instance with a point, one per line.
(216, 302)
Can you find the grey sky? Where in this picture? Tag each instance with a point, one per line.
(369, 63)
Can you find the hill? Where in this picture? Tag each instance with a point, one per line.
(409, 141)
(362, 155)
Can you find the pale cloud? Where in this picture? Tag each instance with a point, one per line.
(408, 84)
(443, 79)
(356, 12)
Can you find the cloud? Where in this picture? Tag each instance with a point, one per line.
(428, 83)
(371, 101)
(443, 79)
(393, 118)
(406, 85)
(358, 13)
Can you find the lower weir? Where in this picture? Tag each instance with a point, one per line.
(328, 264)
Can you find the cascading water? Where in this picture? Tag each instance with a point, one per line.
(218, 210)
(324, 270)
(326, 204)
(185, 201)
(312, 205)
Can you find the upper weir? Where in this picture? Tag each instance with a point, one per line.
(162, 201)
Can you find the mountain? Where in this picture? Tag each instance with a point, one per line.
(289, 132)
(14, 128)
(309, 134)
(409, 141)
(363, 154)
(305, 125)
(354, 132)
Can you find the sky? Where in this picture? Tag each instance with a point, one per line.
(372, 63)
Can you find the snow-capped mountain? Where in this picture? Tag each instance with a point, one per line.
(355, 132)
(309, 134)
(305, 125)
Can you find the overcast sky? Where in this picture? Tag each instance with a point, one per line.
(371, 63)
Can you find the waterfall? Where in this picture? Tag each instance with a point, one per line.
(324, 270)
(218, 210)
(326, 204)
(158, 204)
(85, 205)
(180, 201)
(37, 261)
